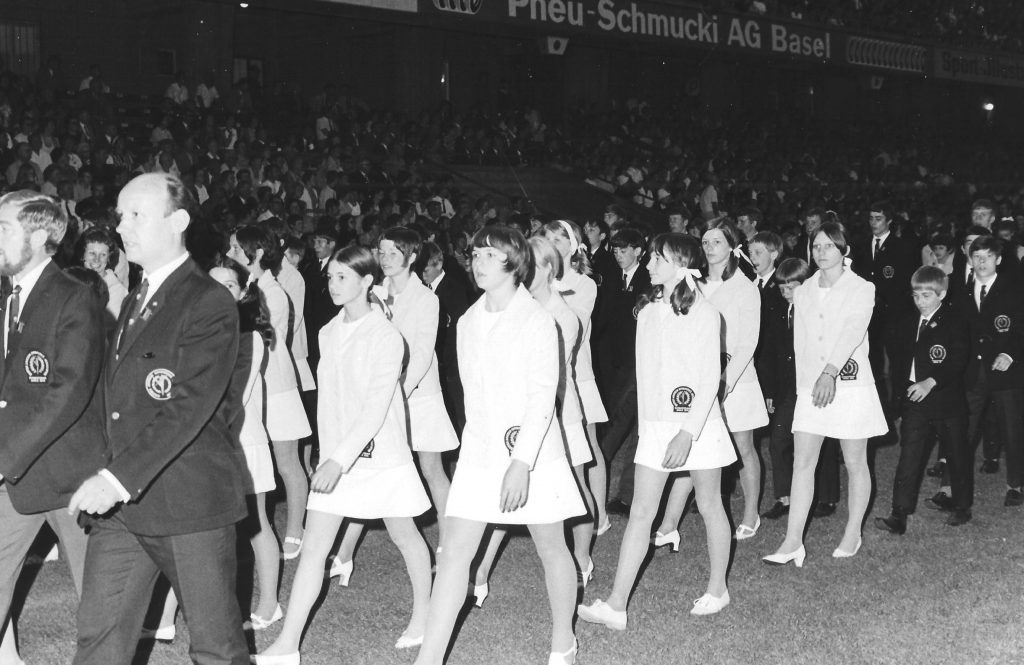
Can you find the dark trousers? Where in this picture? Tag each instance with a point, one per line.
(120, 570)
(918, 433)
(1006, 407)
(780, 447)
(621, 429)
(887, 395)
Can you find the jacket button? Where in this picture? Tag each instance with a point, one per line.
(3, 404)
(115, 416)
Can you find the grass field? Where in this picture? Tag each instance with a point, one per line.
(935, 595)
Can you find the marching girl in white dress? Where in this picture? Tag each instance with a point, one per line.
(739, 302)
(366, 469)
(286, 420)
(512, 467)
(678, 370)
(835, 390)
(257, 335)
(580, 292)
(547, 268)
(414, 311)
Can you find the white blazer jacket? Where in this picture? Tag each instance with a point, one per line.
(739, 301)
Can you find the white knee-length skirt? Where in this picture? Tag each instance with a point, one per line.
(286, 417)
(430, 428)
(374, 493)
(744, 407)
(855, 413)
(713, 449)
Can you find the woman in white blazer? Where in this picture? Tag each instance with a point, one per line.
(739, 302)
(547, 268)
(286, 420)
(366, 469)
(293, 284)
(512, 467)
(836, 394)
(678, 369)
(580, 292)
(414, 311)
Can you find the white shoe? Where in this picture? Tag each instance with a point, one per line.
(587, 574)
(600, 612)
(840, 554)
(708, 604)
(408, 642)
(604, 528)
(291, 540)
(480, 593)
(342, 570)
(259, 623)
(53, 554)
(566, 657)
(797, 556)
(283, 659)
(744, 532)
(671, 538)
(164, 633)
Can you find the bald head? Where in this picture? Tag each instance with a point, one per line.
(154, 214)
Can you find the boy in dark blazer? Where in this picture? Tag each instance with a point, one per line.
(172, 491)
(995, 314)
(51, 426)
(929, 357)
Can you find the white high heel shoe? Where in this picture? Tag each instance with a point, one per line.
(297, 542)
(588, 574)
(342, 570)
(566, 657)
(671, 539)
(408, 642)
(283, 659)
(744, 532)
(480, 593)
(840, 554)
(259, 623)
(797, 556)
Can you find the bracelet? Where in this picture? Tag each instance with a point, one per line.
(831, 376)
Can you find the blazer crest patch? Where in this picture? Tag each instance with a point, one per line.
(511, 434)
(159, 383)
(1002, 323)
(849, 370)
(937, 353)
(682, 399)
(368, 450)
(37, 367)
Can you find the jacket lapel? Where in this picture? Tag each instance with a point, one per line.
(151, 310)
(35, 300)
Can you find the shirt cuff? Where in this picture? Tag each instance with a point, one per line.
(125, 496)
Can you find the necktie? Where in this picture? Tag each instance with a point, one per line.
(760, 283)
(981, 296)
(789, 317)
(625, 282)
(13, 312)
(133, 313)
(924, 323)
(878, 245)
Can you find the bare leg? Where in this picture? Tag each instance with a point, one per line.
(266, 551)
(597, 474)
(170, 609)
(296, 486)
(806, 448)
(636, 539)
(560, 578)
(750, 475)
(414, 550)
(438, 484)
(708, 486)
(9, 646)
(462, 539)
(483, 571)
(679, 490)
(855, 456)
(583, 531)
(349, 539)
(309, 580)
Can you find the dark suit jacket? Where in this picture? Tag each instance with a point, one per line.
(777, 370)
(771, 303)
(997, 328)
(889, 270)
(51, 422)
(453, 299)
(319, 308)
(615, 324)
(604, 265)
(167, 420)
(940, 352)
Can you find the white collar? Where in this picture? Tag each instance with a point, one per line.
(437, 280)
(160, 275)
(882, 238)
(628, 274)
(28, 281)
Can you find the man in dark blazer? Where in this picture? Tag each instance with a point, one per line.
(995, 379)
(452, 291)
(170, 495)
(615, 352)
(887, 261)
(51, 427)
(929, 349)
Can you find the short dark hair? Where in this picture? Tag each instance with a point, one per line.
(771, 240)
(752, 213)
(883, 207)
(983, 203)
(628, 237)
(514, 245)
(252, 238)
(930, 277)
(835, 232)
(792, 270)
(406, 240)
(989, 243)
(944, 239)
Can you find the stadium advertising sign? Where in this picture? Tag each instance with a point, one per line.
(393, 5)
(979, 67)
(635, 19)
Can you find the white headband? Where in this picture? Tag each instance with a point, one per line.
(847, 262)
(574, 244)
(737, 251)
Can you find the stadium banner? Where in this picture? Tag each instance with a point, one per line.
(979, 67)
(394, 5)
(651, 20)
